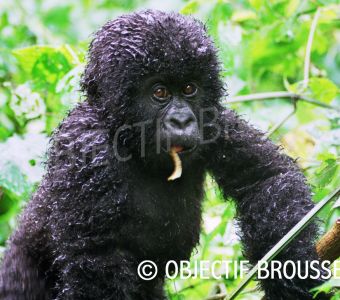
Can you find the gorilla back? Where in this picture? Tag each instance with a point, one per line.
(107, 202)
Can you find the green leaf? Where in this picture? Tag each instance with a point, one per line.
(257, 4)
(323, 89)
(49, 68)
(58, 18)
(40, 61)
(13, 180)
(243, 15)
(292, 7)
(190, 8)
(327, 172)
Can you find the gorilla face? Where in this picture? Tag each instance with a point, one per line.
(176, 105)
(166, 112)
(154, 81)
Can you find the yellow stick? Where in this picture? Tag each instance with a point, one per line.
(177, 165)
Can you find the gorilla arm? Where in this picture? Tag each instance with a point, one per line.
(271, 197)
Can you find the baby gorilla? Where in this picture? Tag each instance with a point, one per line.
(152, 87)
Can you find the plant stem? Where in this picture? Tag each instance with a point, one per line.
(309, 49)
(278, 94)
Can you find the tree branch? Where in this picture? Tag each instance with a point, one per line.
(328, 248)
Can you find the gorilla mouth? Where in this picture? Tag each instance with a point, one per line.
(184, 149)
(180, 148)
(177, 149)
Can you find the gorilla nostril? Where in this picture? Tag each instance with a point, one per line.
(189, 120)
(175, 123)
(181, 122)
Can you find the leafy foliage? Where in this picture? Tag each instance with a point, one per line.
(263, 49)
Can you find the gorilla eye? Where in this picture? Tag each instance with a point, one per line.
(189, 89)
(161, 93)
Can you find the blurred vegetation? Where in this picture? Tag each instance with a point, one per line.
(263, 49)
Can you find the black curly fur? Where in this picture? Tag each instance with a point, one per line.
(94, 218)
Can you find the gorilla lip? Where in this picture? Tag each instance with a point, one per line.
(177, 172)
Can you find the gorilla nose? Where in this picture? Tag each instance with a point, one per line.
(181, 121)
(180, 128)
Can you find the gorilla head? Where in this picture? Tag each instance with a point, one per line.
(149, 69)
